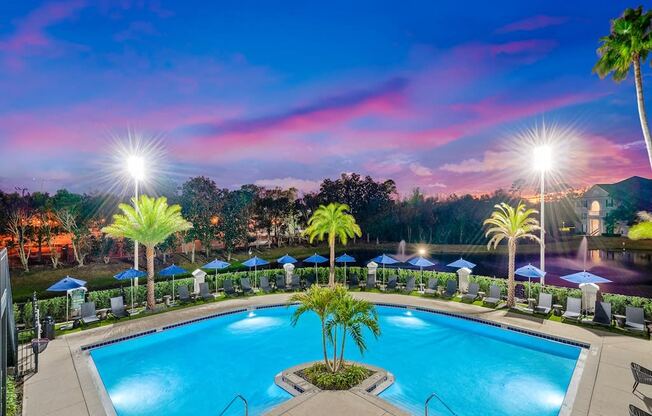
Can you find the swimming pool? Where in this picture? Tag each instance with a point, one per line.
(197, 368)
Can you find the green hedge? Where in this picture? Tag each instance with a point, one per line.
(56, 306)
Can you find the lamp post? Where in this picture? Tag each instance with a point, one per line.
(542, 163)
(136, 168)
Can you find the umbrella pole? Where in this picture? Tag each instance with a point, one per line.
(316, 275)
(344, 274)
(132, 294)
(67, 309)
(216, 281)
(173, 301)
(529, 287)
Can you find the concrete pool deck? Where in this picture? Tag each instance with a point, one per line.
(66, 383)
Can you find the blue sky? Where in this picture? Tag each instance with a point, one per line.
(431, 94)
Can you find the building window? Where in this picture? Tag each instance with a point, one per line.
(595, 208)
(585, 203)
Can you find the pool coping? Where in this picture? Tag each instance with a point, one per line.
(566, 407)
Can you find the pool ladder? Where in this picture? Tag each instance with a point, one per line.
(244, 402)
(434, 395)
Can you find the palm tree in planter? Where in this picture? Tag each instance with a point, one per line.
(150, 221)
(511, 224)
(332, 220)
(350, 317)
(627, 46)
(320, 301)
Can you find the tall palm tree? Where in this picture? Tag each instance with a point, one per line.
(150, 221)
(628, 44)
(332, 219)
(642, 230)
(350, 317)
(320, 301)
(513, 224)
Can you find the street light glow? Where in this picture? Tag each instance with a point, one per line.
(422, 252)
(543, 158)
(136, 167)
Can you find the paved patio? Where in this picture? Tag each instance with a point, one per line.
(66, 382)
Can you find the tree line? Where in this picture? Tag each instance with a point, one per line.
(230, 219)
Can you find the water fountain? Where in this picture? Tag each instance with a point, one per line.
(582, 252)
(400, 253)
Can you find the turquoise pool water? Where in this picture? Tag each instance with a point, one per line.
(197, 368)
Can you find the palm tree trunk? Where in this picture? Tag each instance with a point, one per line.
(323, 345)
(331, 273)
(510, 277)
(335, 350)
(641, 108)
(342, 349)
(151, 300)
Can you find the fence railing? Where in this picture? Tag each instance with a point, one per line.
(8, 334)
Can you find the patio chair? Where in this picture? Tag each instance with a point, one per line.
(392, 282)
(371, 282)
(573, 309)
(245, 285)
(118, 307)
(634, 319)
(310, 280)
(602, 315)
(280, 282)
(635, 411)
(264, 284)
(184, 295)
(88, 313)
(451, 288)
(431, 288)
(472, 293)
(494, 295)
(354, 281)
(409, 285)
(229, 290)
(295, 283)
(204, 292)
(545, 304)
(641, 375)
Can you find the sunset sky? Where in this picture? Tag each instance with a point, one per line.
(431, 94)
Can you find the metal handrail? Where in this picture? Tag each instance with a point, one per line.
(440, 401)
(244, 401)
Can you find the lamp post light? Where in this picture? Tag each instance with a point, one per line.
(136, 168)
(542, 163)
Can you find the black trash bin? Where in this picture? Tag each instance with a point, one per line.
(48, 327)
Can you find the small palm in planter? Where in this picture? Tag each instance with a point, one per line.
(341, 316)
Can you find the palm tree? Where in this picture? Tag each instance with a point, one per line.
(642, 230)
(150, 221)
(628, 45)
(332, 219)
(513, 224)
(320, 301)
(350, 317)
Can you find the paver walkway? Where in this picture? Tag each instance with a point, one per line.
(66, 383)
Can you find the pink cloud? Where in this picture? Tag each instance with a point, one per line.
(533, 23)
(533, 45)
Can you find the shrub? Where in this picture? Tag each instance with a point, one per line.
(347, 377)
(12, 398)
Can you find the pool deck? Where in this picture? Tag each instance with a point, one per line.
(67, 385)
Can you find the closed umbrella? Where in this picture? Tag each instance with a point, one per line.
(531, 272)
(130, 274)
(316, 259)
(172, 270)
(421, 262)
(216, 265)
(66, 285)
(345, 258)
(385, 259)
(254, 262)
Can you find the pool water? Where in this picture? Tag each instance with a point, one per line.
(198, 368)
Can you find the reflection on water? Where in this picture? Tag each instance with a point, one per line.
(255, 324)
(406, 321)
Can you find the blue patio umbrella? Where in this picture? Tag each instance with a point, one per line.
(130, 274)
(254, 262)
(316, 259)
(531, 272)
(345, 258)
(286, 259)
(384, 259)
(584, 277)
(461, 263)
(421, 262)
(216, 265)
(66, 284)
(172, 270)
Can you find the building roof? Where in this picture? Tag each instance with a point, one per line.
(635, 184)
